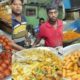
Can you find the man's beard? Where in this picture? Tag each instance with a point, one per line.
(52, 21)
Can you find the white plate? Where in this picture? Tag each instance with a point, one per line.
(53, 50)
(69, 49)
(8, 78)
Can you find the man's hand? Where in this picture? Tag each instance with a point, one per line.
(37, 41)
(16, 47)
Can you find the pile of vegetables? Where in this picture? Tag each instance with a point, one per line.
(5, 57)
(5, 65)
(6, 44)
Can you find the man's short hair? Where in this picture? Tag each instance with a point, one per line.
(50, 7)
(41, 19)
(14, 0)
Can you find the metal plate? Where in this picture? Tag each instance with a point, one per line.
(8, 78)
(69, 49)
(53, 50)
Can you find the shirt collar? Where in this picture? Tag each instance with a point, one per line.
(49, 25)
(14, 18)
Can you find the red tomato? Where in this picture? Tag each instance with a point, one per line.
(0, 61)
(0, 58)
(1, 68)
(6, 40)
(1, 76)
(9, 43)
(3, 37)
(8, 47)
(10, 67)
(3, 55)
(4, 44)
(7, 72)
(8, 56)
(1, 41)
(0, 37)
(4, 65)
(7, 62)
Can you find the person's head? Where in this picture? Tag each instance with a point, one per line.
(52, 12)
(41, 21)
(16, 6)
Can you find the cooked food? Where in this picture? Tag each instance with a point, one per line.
(71, 35)
(71, 65)
(39, 65)
(4, 14)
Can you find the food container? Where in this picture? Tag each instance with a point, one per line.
(8, 78)
(68, 49)
(71, 62)
(37, 58)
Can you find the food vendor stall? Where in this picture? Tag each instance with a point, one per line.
(5, 16)
(70, 37)
(40, 63)
(45, 63)
(5, 47)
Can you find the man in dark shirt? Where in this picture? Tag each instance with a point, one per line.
(19, 22)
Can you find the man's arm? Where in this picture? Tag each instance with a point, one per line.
(37, 41)
(15, 46)
(6, 22)
(39, 36)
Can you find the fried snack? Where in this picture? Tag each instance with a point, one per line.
(71, 65)
(70, 35)
(41, 65)
(4, 15)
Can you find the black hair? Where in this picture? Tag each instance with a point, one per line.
(50, 7)
(41, 19)
(14, 0)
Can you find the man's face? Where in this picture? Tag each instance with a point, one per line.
(17, 7)
(41, 22)
(52, 15)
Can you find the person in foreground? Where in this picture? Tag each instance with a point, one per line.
(19, 23)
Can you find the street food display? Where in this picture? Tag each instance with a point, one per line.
(70, 35)
(37, 65)
(71, 65)
(4, 14)
(5, 57)
(5, 65)
(6, 44)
